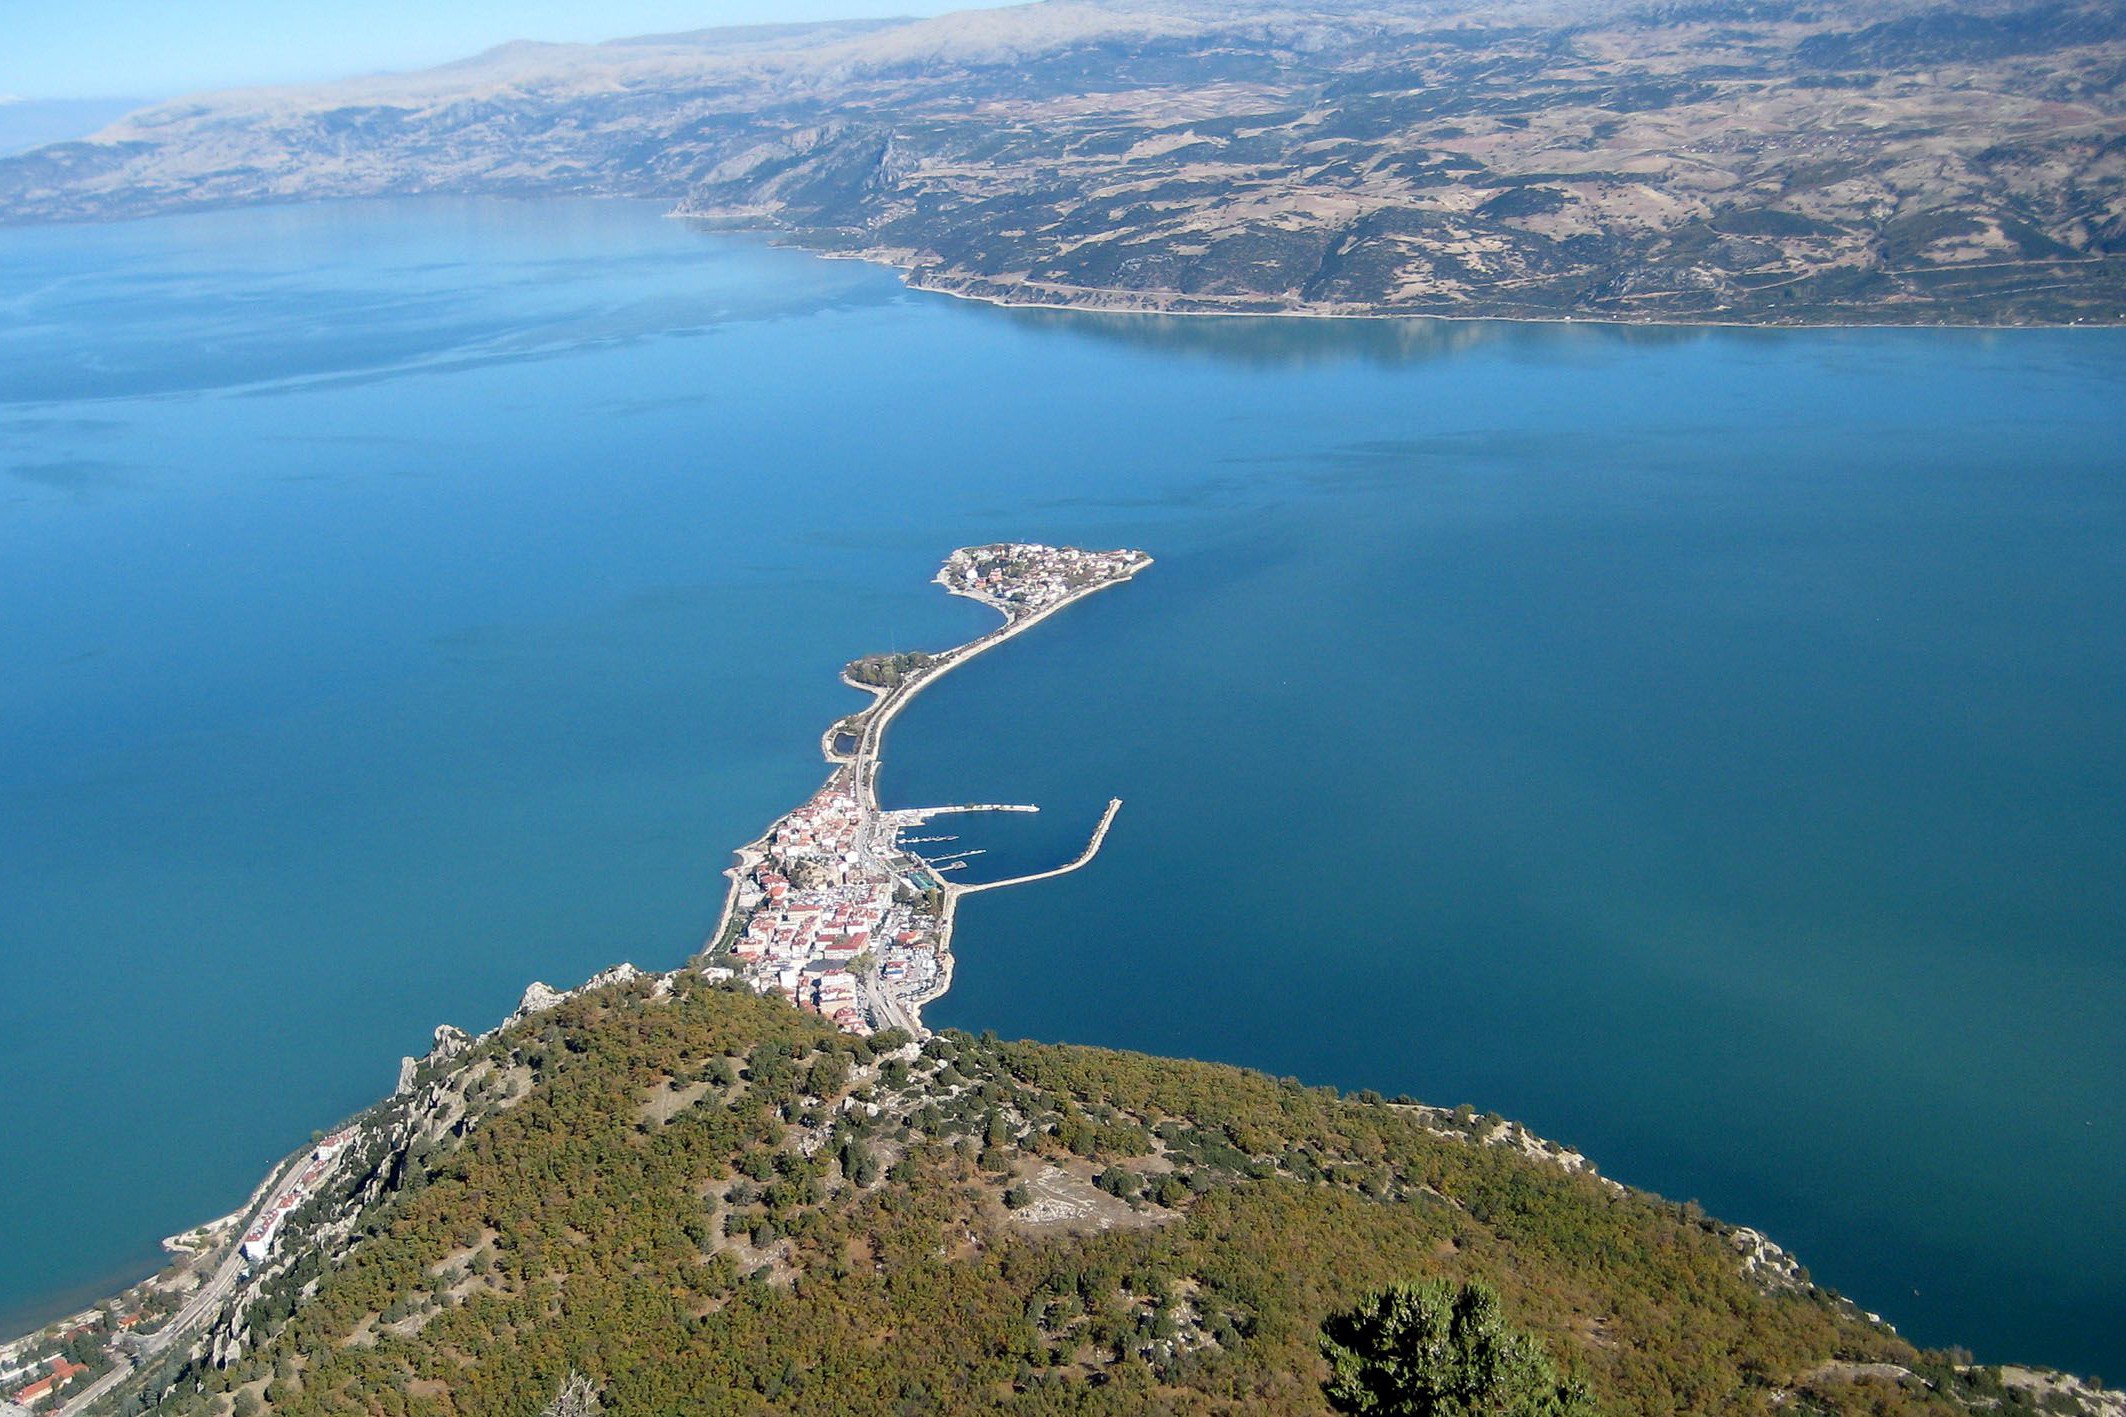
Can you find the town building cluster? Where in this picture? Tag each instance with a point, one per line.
(258, 1240)
(830, 909)
(819, 910)
(1021, 578)
(37, 1366)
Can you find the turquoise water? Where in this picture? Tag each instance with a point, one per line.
(1704, 746)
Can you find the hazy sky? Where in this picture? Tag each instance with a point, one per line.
(155, 48)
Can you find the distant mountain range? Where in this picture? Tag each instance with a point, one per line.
(27, 123)
(1765, 161)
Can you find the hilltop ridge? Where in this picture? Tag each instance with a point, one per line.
(705, 1200)
(1760, 161)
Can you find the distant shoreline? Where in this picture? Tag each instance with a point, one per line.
(1093, 301)
(785, 238)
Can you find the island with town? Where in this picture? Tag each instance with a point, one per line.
(834, 907)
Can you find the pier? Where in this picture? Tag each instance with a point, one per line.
(916, 816)
(1092, 849)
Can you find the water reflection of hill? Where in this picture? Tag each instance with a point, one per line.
(1288, 343)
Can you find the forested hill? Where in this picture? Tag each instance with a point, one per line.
(1771, 161)
(701, 1201)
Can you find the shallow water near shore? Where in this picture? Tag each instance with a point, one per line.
(1703, 746)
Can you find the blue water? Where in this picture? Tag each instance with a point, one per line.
(1704, 746)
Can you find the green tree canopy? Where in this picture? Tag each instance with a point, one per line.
(1431, 1350)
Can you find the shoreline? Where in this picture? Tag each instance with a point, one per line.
(209, 1239)
(864, 762)
(1607, 322)
(892, 701)
(789, 239)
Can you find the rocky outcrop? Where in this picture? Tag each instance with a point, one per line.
(1767, 1263)
(449, 1042)
(441, 1097)
(540, 997)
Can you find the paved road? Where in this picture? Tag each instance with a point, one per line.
(889, 1010)
(203, 1305)
(80, 1400)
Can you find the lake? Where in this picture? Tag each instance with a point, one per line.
(1704, 746)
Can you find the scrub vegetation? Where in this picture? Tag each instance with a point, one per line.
(690, 1199)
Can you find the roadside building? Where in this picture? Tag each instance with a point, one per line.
(62, 1372)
